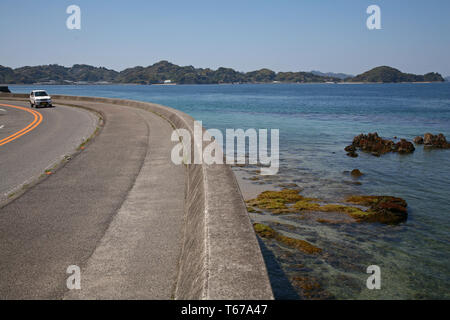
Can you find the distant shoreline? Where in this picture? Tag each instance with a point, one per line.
(213, 84)
(166, 73)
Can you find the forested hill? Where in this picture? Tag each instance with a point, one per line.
(154, 74)
(163, 71)
(388, 75)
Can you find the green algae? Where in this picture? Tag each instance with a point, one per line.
(275, 201)
(382, 209)
(265, 231)
(306, 204)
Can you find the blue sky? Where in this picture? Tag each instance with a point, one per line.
(283, 35)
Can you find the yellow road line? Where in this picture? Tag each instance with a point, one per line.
(36, 121)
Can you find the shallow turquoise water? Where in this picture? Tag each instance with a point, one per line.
(316, 122)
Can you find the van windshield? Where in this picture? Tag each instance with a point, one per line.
(40, 94)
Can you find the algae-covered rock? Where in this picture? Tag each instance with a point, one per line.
(276, 201)
(252, 210)
(265, 231)
(353, 211)
(310, 288)
(383, 209)
(306, 204)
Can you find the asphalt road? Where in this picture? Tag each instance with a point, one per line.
(25, 157)
(115, 210)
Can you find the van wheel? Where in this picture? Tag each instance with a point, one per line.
(31, 105)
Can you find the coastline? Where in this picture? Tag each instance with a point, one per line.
(214, 84)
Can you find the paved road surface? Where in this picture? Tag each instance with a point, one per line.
(115, 210)
(59, 133)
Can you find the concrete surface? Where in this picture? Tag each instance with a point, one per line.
(61, 131)
(138, 256)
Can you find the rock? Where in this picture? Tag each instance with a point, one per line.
(276, 201)
(265, 231)
(352, 154)
(383, 209)
(356, 173)
(418, 140)
(377, 146)
(373, 143)
(437, 141)
(404, 146)
(350, 148)
(428, 139)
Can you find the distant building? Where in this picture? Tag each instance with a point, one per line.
(167, 81)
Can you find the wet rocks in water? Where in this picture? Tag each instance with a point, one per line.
(418, 140)
(383, 209)
(351, 151)
(404, 146)
(436, 141)
(350, 148)
(428, 139)
(310, 288)
(265, 231)
(356, 173)
(378, 146)
(252, 210)
(373, 143)
(275, 201)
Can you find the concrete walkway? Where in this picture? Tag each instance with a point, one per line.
(138, 256)
(115, 210)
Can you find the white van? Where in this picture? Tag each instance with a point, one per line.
(40, 98)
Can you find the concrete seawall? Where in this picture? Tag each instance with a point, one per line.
(220, 258)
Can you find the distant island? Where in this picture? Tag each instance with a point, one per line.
(164, 72)
(386, 74)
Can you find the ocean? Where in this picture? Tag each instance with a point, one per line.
(316, 122)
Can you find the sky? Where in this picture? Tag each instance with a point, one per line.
(246, 35)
